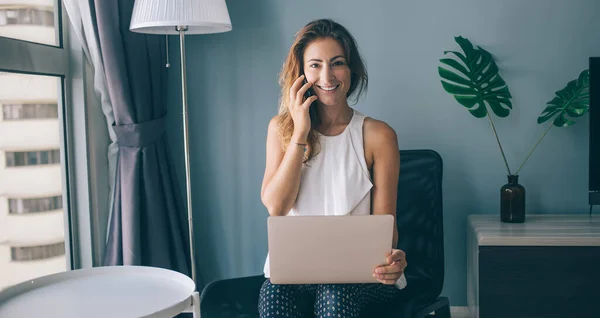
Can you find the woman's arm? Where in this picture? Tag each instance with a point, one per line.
(283, 169)
(281, 180)
(382, 143)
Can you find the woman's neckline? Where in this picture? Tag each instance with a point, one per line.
(345, 128)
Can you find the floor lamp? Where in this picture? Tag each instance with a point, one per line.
(182, 17)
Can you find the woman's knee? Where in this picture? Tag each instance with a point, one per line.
(337, 300)
(277, 300)
(273, 292)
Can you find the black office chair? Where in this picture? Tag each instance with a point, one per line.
(420, 234)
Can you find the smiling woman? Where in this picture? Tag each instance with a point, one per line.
(325, 158)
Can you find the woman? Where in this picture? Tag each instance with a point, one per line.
(322, 138)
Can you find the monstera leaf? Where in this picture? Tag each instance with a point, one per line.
(573, 100)
(476, 81)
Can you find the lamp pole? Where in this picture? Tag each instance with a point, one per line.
(186, 152)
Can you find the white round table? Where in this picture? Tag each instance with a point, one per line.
(111, 291)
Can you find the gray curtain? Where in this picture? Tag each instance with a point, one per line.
(148, 225)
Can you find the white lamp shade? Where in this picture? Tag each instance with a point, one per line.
(163, 16)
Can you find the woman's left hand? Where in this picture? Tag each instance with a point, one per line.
(389, 274)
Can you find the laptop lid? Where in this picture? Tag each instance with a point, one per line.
(328, 249)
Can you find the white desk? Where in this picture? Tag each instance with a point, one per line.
(548, 266)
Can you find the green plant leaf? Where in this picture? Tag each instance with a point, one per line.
(474, 81)
(573, 101)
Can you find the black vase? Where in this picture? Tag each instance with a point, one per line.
(512, 201)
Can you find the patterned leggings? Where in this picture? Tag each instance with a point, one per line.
(328, 300)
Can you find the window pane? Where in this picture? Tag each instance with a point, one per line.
(33, 21)
(55, 158)
(32, 219)
(29, 111)
(7, 112)
(17, 111)
(40, 111)
(32, 158)
(44, 157)
(52, 111)
(34, 205)
(13, 206)
(58, 203)
(20, 159)
(41, 252)
(10, 159)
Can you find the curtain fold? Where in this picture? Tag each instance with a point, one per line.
(148, 223)
(81, 16)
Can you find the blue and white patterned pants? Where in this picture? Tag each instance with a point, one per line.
(327, 300)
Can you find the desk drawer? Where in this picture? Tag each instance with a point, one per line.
(539, 281)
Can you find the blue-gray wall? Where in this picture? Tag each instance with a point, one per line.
(539, 46)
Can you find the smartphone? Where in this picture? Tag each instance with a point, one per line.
(312, 110)
(309, 92)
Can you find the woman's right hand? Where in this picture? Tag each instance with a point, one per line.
(299, 109)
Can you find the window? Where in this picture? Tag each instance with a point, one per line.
(23, 206)
(34, 136)
(29, 111)
(36, 16)
(24, 16)
(32, 158)
(29, 22)
(32, 253)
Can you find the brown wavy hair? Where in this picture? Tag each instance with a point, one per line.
(293, 67)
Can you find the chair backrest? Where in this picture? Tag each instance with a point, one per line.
(420, 221)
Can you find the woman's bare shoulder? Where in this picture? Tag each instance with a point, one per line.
(273, 128)
(380, 140)
(274, 122)
(377, 131)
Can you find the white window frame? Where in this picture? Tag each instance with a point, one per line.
(83, 134)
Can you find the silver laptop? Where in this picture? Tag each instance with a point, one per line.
(328, 249)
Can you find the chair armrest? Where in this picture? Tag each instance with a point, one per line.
(231, 297)
(434, 306)
(440, 307)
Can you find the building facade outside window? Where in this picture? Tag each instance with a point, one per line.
(32, 253)
(24, 206)
(29, 111)
(32, 158)
(27, 16)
